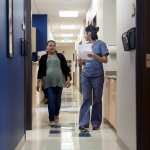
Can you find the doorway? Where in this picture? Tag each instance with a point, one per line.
(142, 75)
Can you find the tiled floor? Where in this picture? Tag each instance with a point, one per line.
(67, 137)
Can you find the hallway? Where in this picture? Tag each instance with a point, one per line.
(23, 40)
(42, 137)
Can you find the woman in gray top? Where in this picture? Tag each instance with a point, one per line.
(55, 73)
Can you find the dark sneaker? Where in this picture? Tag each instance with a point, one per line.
(84, 132)
(95, 128)
(83, 129)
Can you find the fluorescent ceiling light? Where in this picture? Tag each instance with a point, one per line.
(65, 35)
(73, 14)
(68, 27)
(66, 41)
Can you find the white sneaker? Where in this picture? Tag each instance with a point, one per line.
(52, 123)
(56, 119)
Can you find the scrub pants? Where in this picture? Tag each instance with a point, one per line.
(54, 101)
(90, 84)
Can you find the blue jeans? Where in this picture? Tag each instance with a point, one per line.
(90, 84)
(54, 101)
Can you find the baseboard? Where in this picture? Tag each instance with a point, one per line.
(21, 143)
(110, 125)
(122, 144)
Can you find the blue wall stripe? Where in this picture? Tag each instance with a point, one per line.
(40, 22)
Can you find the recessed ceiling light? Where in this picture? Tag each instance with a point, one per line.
(65, 35)
(66, 41)
(73, 14)
(69, 27)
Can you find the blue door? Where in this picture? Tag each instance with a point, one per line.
(12, 125)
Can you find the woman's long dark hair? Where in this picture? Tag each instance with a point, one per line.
(93, 31)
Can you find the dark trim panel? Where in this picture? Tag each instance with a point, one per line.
(28, 66)
(139, 75)
(143, 75)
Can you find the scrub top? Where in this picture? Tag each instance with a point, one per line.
(94, 68)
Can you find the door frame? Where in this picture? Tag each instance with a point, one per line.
(142, 80)
(143, 75)
(28, 65)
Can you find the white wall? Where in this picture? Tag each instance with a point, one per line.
(49, 34)
(96, 9)
(112, 59)
(126, 100)
(68, 50)
(109, 21)
(33, 35)
(106, 20)
(109, 33)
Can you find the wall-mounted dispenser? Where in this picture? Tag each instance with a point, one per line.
(129, 39)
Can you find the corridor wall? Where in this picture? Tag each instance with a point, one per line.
(109, 21)
(126, 85)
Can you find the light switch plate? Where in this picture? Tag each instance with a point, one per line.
(147, 60)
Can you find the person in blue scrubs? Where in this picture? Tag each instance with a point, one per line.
(92, 80)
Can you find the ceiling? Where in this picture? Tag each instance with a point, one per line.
(52, 7)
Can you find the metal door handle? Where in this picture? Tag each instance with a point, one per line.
(22, 41)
